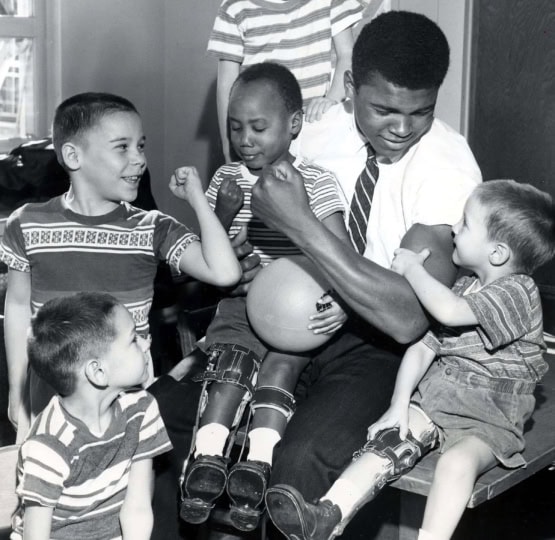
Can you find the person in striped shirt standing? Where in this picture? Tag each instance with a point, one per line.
(265, 113)
(303, 35)
(85, 468)
(468, 384)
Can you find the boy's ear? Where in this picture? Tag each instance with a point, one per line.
(95, 373)
(296, 123)
(349, 84)
(70, 153)
(500, 254)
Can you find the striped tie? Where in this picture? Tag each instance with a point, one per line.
(362, 201)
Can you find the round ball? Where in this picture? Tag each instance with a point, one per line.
(281, 298)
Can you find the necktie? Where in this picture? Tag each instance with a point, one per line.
(362, 201)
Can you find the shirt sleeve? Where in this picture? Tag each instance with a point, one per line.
(171, 239)
(324, 197)
(344, 14)
(12, 248)
(226, 41)
(153, 438)
(213, 188)
(504, 310)
(448, 191)
(43, 470)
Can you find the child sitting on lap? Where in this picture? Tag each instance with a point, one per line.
(85, 469)
(476, 397)
(265, 113)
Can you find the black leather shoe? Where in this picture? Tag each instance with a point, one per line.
(204, 482)
(246, 485)
(299, 520)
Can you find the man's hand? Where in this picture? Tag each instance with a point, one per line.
(404, 259)
(249, 261)
(279, 198)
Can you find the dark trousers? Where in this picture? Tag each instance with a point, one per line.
(347, 387)
(178, 402)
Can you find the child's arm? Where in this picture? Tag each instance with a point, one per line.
(343, 44)
(228, 202)
(136, 515)
(416, 361)
(213, 259)
(37, 522)
(440, 301)
(17, 318)
(228, 70)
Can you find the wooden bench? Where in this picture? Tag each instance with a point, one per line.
(539, 454)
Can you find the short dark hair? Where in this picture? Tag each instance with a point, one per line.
(66, 331)
(278, 77)
(523, 217)
(80, 113)
(407, 49)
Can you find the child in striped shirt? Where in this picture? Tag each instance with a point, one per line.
(474, 377)
(265, 113)
(85, 468)
(299, 34)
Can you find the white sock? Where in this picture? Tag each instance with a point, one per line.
(344, 494)
(261, 444)
(210, 440)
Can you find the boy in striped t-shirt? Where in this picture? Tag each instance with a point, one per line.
(474, 376)
(265, 113)
(302, 35)
(85, 468)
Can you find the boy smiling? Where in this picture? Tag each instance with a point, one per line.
(92, 239)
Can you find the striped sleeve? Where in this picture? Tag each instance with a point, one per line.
(506, 310)
(153, 438)
(321, 187)
(214, 186)
(171, 239)
(12, 246)
(226, 41)
(344, 14)
(42, 470)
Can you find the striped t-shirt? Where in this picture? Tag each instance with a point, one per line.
(508, 341)
(321, 188)
(295, 33)
(84, 477)
(114, 253)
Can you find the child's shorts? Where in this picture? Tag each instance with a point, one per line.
(231, 325)
(464, 403)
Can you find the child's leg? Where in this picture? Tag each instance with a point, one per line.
(380, 461)
(454, 479)
(232, 374)
(273, 404)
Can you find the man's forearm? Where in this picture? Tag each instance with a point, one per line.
(378, 295)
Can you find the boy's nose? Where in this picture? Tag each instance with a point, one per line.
(145, 343)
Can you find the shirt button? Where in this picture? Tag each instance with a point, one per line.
(448, 371)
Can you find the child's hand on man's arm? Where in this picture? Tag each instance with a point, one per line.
(329, 317)
(136, 515)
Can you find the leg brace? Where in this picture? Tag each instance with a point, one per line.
(273, 397)
(399, 457)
